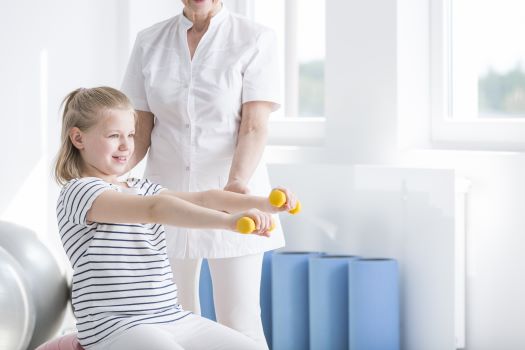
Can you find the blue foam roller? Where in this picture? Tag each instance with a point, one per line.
(290, 321)
(373, 304)
(328, 289)
(266, 297)
(206, 292)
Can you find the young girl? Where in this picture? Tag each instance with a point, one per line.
(123, 294)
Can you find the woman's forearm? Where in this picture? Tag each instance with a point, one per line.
(144, 126)
(251, 141)
(248, 153)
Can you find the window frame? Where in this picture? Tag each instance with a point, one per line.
(486, 134)
(288, 130)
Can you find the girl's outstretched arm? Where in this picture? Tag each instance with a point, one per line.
(232, 202)
(116, 207)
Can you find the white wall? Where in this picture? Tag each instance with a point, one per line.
(48, 49)
(378, 112)
(361, 81)
(495, 241)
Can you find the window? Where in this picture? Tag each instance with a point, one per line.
(300, 27)
(487, 59)
(478, 73)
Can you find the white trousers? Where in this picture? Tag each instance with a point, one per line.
(236, 291)
(190, 333)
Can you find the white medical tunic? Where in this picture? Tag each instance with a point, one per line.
(197, 107)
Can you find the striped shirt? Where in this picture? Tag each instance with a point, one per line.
(122, 276)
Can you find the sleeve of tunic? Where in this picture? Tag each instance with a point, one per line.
(261, 75)
(133, 84)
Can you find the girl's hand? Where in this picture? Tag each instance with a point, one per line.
(291, 201)
(263, 221)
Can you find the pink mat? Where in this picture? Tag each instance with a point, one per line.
(66, 342)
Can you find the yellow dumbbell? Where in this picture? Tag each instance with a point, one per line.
(277, 198)
(247, 225)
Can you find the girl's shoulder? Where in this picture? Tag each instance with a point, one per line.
(144, 186)
(83, 183)
(79, 181)
(88, 184)
(85, 180)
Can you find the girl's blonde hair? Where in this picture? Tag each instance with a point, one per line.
(83, 109)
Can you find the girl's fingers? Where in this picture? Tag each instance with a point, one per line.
(257, 221)
(293, 202)
(290, 199)
(264, 223)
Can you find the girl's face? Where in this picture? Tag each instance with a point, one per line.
(107, 147)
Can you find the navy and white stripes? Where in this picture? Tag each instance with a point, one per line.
(122, 276)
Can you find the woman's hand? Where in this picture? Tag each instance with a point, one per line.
(237, 186)
(263, 221)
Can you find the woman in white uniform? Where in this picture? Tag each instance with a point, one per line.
(204, 84)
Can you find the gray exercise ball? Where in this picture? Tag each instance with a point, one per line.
(47, 285)
(17, 319)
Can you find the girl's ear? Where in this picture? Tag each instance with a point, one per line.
(75, 135)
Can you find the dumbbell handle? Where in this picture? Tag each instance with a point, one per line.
(246, 225)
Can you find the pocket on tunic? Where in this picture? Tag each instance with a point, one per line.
(217, 78)
(164, 79)
(166, 88)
